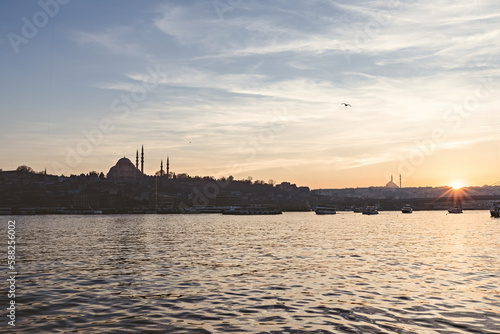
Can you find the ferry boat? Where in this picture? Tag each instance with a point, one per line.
(252, 210)
(214, 209)
(495, 210)
(206, 209)
(370, 210)
(407, 209)
(325, 210)
(455, 209)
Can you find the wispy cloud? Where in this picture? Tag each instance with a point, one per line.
(116, 40)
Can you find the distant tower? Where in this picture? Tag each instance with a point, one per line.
(142, 160)
(399, 180)
(168, 168)
(137, 159)
(161, 168)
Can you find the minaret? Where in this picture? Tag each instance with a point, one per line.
(168, 167)
(137, 159)
(399, 180)
(161, 168)
(142, 160)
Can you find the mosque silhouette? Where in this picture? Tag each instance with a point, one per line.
(124, 168)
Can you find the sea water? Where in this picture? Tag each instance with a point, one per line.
(425, 272)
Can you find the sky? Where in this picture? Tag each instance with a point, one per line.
(255, 88)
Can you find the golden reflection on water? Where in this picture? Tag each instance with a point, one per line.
(424, 272)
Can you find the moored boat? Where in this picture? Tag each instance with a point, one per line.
(206, 209)
(495, 210)
(407, 209)
(325, 210)
(455, 209)
(369, 210)
(214, 209)
(252, 210)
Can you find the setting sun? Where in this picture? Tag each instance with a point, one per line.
(457, 185)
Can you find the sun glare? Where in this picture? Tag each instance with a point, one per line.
(457, 185)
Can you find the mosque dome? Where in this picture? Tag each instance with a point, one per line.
(124, 168)
(125, 162)
(391, 184)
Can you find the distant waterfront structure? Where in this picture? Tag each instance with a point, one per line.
(391, 184)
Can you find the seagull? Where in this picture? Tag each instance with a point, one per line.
(345, 104)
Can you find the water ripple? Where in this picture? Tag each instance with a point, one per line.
(296, 273)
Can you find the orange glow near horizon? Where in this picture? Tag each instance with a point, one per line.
(457, 185)
(458, 191)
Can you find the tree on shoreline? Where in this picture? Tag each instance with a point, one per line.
(25, 169)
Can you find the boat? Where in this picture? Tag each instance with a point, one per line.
(252, 210)
(455, 209)
(369, 210)
(407, 209)
(214, 209)
(357, 210)
(495, 210)
(206, 209)
(192, 210)
(325, 210)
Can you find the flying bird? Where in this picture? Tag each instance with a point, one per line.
(345, 104)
